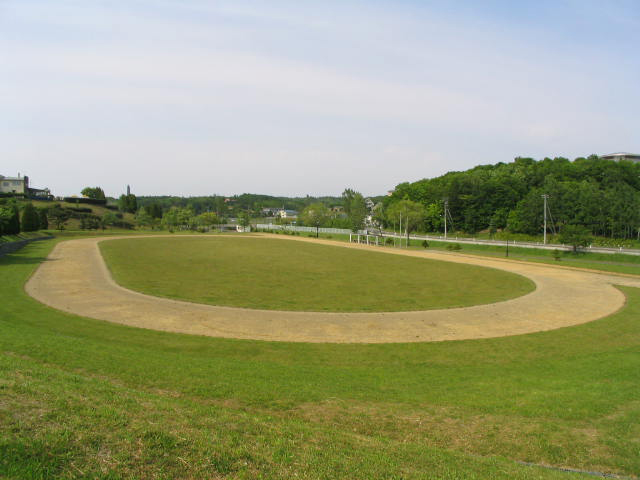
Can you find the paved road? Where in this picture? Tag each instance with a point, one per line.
(512, 243)
(75, 279)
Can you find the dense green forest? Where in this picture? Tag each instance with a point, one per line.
(601, 195)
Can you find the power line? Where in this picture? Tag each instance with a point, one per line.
(447, 216)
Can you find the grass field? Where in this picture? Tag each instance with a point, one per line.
(81, 398)
(276, 274)
(616, 262)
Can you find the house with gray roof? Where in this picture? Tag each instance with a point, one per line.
(620, 156)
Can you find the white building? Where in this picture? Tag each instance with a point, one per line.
(19, 185)
(617, 157)
(282, 213)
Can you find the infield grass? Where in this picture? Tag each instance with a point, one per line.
(82, 398)
(275, 274)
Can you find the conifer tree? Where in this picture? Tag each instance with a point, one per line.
(30, 218)
(14, 223)
(44, 220)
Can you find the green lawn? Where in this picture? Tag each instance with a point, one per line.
(284, 275)
(81, 398)
(607, 262)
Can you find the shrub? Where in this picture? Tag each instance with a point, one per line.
(454, 247)
(389, 241)
(425, 244)
(90, 201)
(556, 254)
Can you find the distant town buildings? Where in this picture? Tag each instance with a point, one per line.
(279, 212)
(282, 213)
(20, 186)
(617, 157)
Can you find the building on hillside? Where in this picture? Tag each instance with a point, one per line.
(20, 186)
(283, 213)
(270, 211)
(620, 156)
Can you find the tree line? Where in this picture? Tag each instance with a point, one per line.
(599, 195)
(231, 206)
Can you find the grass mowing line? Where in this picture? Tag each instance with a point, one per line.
(121, 402)
(273, 275)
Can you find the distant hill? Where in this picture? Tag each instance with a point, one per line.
(236, 203)
(599, 194)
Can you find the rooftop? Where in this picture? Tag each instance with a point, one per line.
(2, 177)
(622, 154)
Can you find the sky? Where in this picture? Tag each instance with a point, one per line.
(195, 97)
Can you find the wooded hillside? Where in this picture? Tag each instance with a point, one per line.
(602, 195)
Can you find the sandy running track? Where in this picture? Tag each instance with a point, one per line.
(75, 279)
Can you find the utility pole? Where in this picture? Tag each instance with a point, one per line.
(400, 230)
(446, 214)
(406, 225)
(545, 197)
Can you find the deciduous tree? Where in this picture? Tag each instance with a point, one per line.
(128, 203)
(143, 219)
(315, 215)
(576, 235)
(355, 208)
(93, 192)
(412, 215)
(207, 219)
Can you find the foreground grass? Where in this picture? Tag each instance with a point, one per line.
(87, 399)
(275, 274)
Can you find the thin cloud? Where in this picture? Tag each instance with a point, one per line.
(355, 94)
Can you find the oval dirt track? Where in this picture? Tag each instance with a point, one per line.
(74, 278)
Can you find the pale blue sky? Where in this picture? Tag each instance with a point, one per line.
(193, 97)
